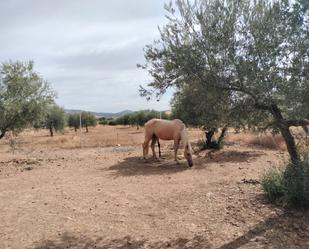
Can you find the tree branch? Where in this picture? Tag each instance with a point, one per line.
(2, 133)
(253, 96)
(267, 126)
(301, 122)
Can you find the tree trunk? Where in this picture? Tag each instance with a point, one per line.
(51, 131)
(286, 134)
(75, 128)
(87, 128)
(290, 143)
(220, 139)
(2, 134)
(209, 135)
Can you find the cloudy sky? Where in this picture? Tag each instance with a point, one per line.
(87, 50)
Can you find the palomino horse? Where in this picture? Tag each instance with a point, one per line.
(156, 129)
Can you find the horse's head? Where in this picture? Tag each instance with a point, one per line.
(188, 154)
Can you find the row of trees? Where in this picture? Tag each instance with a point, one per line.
(27, 100)
(139, 118)
(86, 119)
(56, 119)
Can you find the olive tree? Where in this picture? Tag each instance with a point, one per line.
(88, 119)
(73, 120)
(256, 53)
(54, 119)
(24, 95)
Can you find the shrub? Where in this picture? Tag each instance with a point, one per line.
(297, 183)
(112, 122)
(292, 182)
(273, 183)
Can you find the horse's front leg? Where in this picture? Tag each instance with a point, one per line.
(145, 148)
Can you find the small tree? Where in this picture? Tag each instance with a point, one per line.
(73, 120)
(88, 119)
(102, 121)
(54, 119)
(24, 96)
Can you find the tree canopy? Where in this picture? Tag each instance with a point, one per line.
(24, 95)
(55, 119)
(254, 53)
(88, 119)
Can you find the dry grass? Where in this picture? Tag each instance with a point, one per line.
(100, 136)
(104, 136)
(267, 141)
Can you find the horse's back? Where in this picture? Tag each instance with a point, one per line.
(163, 122)
(164, 129)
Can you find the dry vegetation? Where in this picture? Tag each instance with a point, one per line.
(267, 141)
(55, 194)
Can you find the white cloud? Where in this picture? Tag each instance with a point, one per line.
(88, 50)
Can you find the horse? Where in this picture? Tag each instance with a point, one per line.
(156, 129)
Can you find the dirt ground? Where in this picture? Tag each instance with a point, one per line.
(55, 194)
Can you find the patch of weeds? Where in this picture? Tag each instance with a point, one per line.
(291, 181)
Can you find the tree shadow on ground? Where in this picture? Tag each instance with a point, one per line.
(71, 241)
(232, 156)
(134, 166)
(289, 230)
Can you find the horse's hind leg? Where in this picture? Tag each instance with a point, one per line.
(153, 142)
(176, 146)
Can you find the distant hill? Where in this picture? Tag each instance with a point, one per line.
(102, 114)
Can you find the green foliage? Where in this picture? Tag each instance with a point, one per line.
(73, 120)
(140, 118)
(55, 119)
(273, 183)
(196, 107)
(297, 183)
(102, 121)
(291, 181)
(87, 119)
(24, 96)
(112, 122)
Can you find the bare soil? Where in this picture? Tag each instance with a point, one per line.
(55, 194)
